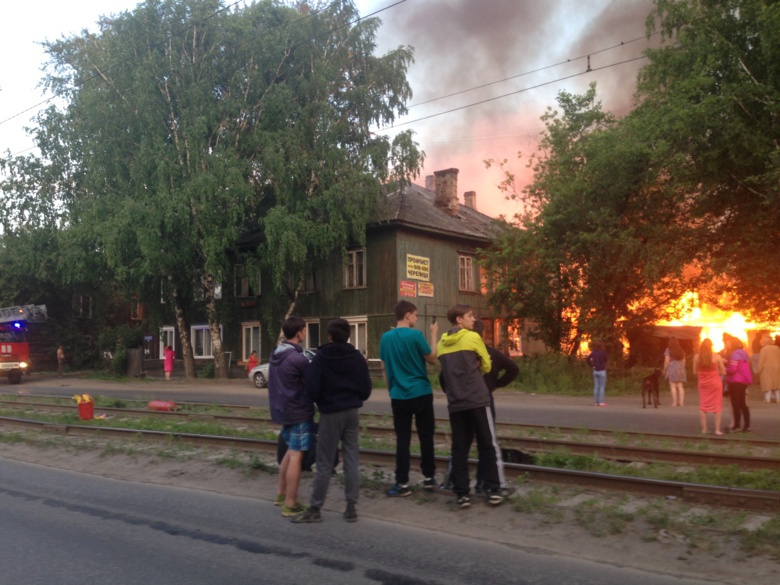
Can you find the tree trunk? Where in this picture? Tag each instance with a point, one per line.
(217, 349)
(290, 308)
(184, 335)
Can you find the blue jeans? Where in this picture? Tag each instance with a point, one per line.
(599, 383)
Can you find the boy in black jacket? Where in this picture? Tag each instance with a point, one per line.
(338, 382)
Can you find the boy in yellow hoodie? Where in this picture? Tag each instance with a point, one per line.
(464, 359)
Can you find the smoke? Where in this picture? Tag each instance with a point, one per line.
(462, 44)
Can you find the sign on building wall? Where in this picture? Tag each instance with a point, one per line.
(425, 289)
(418, 267)
(408, 288)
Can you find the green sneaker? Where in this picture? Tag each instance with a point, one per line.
(290, 511)
(308, 516)
(279, 501)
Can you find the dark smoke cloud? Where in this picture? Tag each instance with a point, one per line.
(464, 43)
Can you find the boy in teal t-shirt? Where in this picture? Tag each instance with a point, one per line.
(404, 353)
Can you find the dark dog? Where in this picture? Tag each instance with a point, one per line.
(650, 388)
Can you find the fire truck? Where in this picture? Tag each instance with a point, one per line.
(14, 349)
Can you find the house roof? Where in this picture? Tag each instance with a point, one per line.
(414, 206)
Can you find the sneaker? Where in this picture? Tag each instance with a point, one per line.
(399, 491)
(350, 514)
(602, 404)
(308, 516)
(429, 483)
(294, 510)
(464, 502)
(279, 501)
(494, 498)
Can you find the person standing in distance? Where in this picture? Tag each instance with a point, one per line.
(338, 382)
(404, 353)
(60, 361)
(464, 361)
(292, 408)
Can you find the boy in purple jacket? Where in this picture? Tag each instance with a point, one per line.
(292, 408)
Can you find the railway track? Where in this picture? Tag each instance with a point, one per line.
(534, 445)
(694, 493)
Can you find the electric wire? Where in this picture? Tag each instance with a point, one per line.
(552, 81)
(567, 61)
(184, 30)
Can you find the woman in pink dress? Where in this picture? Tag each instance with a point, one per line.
(169, 354)
(709, 367)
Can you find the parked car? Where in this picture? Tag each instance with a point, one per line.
(259, 374)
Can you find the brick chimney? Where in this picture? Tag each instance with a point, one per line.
(470, 199)
(447, 191)
(430, 182)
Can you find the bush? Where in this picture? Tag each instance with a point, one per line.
(207, 371)
(119, 361)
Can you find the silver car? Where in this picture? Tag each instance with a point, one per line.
(259, 374)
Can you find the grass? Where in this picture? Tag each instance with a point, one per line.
(601, 519)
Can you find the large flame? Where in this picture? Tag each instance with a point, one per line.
(714, 322)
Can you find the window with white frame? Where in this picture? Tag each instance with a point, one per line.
(358, 333)
(312, 333)
(201, 341)
(355, 269)
(167, 337)
(251, 338)
(466, 276)
(247, 281)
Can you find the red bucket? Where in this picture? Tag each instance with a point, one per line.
(87, 410)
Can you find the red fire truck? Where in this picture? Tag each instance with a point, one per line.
(14, 349)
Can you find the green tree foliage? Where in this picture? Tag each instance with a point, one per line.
(187, 124)
(594, 254)
(686, 184)
(710, 98)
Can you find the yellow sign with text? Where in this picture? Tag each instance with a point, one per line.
(418, 267)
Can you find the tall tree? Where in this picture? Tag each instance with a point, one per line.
(711, 100)
(593, 254)
(187, 124)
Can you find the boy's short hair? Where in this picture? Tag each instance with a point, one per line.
(457, 311)
(403, 307)
(292, 325)
(339, 330)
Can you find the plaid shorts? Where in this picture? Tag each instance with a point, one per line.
(299, 437)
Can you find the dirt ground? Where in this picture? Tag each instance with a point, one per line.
(544, 519)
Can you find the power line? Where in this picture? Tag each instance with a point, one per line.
(571, 60)
(184, 30)
(589, 70)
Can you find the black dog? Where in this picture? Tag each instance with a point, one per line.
(650, 388)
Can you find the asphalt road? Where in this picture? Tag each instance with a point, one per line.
(70, 529)
(623, 413)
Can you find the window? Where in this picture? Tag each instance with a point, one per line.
(201, 286)
(136, 309)
(358, 333)
(201, 341)
(312, 333)
(311, 282)
(82, 306)
(247, 282)
(167, 337)
(466, 279)
(355, 269)
(251, 339)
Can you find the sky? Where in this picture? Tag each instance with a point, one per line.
(522, 51)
